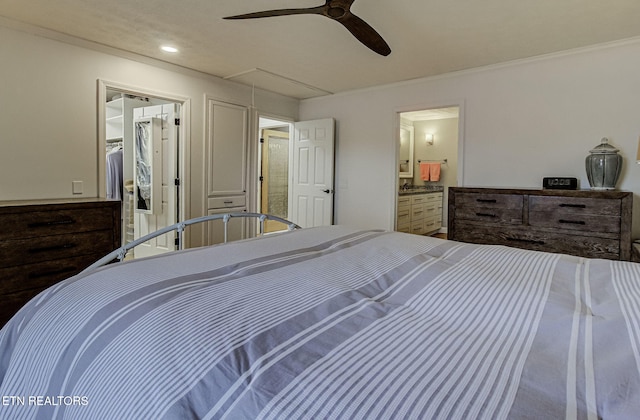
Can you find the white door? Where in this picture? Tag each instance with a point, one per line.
(312, 173)
(145, 223)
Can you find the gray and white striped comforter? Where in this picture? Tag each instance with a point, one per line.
(331, 323)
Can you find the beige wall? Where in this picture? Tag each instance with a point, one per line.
(520, 122)
(48, 111)
(445, 146)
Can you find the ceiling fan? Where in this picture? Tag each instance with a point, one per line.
(338, 10)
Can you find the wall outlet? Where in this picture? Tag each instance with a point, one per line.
(76, 187)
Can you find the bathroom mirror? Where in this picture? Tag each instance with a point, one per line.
(405, 155)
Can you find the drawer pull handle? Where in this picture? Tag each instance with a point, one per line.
(52, 223)
(49, 273)
(486, 215)
(51, 248)
(573, 222)
(528, 241)
(486, 200)
(574, 206)
(228, 202)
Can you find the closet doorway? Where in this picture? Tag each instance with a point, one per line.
(428, 138)
(274, 156)
(141, 138)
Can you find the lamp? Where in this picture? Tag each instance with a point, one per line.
(429, 138)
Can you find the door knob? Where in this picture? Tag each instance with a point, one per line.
(326, 191)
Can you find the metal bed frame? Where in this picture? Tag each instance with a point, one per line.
(120, 253)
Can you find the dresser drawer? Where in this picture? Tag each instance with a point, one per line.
(575, 221)
(418, 199)
(580, 245)
(574, 206)
(490, 215)
(404, 205)
(490, 201)
(417, 212)
(404, 227)
(404, 201)
(417, 227)
(432, 224)
(432, 209)
(583, 246)
(490, 208)
(226, 202)
(43, 223)
(43, 274)
(434, 197)
(404, 216)
(32, 250)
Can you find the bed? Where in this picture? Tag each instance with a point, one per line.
(331, 322)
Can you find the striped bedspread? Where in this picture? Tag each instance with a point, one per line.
(331, 323)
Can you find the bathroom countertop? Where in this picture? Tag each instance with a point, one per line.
(420, 190)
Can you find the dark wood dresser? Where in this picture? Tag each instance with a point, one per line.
(44, 242)
(586, 223)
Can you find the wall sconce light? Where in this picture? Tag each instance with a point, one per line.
(429, 138)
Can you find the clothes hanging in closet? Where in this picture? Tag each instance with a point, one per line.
(114, 174)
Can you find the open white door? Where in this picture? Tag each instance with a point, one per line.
(166, 214)
(312, 173)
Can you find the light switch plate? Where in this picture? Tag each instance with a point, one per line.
(76, 187)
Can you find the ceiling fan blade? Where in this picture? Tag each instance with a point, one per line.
(364, 33)
(338, 10)
(280, 12)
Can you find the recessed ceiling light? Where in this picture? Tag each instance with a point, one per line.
(168, 48)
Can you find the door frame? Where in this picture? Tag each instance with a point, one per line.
(253, 167)
(460, 103)
(184, 144)
(264, 178)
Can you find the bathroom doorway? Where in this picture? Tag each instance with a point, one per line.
(428, 148)
(273, 190)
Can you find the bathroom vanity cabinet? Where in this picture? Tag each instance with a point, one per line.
(419, 212)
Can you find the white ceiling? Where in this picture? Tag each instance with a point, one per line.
(308, 55)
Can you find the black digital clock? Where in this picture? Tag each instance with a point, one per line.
(560, 183)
